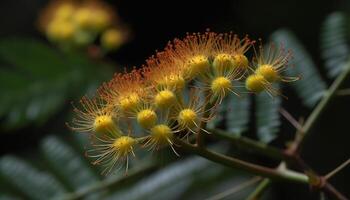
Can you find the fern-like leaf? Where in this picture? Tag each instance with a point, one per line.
(334, 43)
(33, 183)
(267, 117)
(311, 87)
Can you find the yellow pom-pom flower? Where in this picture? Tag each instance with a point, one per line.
(197, 65)
(111, 39)
(257, 83)
(64, 11)
(221, 86)
(111, 152)
(94, 117)
(194, 52)
(223, 62)
(271, 62)
(268, 72)
(165, 99)
(125, 92)
(60, 30)
(164, 72)
(160, 135)
(240, 61)
(230, 50)
(187, 118)
(147, 118)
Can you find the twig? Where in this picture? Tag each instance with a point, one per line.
(343, 92)
(249, 144)
(336, 170)
(259, 191)
(281, 175)
(327, 98)
(235, 189)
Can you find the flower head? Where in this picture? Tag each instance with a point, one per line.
(189, 115)
(194, 52)
(125, 92)
(111, 152)
(230, 53)
(159, 136)
(257, 83)
(272, 62)
(94, 116)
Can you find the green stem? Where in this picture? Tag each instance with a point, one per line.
(322, 105)
(259, 190)
(249, 144)
(282, 175)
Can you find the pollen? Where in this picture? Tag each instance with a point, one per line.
(240, 61)
(111, 39)
(161, 134)
(124, 145)
(165, 99)
(255, 83)
(268, 72)
(221, 85)
(223, 62)
(197, 65)
(187, 118)
(104, 124)
(147, 118)
(129, 102)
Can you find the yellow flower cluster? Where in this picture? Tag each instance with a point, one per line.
(73, 23)
(175, 93)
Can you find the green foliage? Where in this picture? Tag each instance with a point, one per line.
(77, 172)
(68, 175)
(334, 43)
(267, 117)
(38, 81)
(237, 116)
(310, 87)
(34, 184)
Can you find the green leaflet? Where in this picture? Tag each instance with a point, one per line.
(237, 117)
(310, 87)
(74, 168)
(267, 116)
(38, 81)
(33, 183)
(335, 49)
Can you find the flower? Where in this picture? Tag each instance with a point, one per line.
(175, 93)
(229, 53)
(272, 63)
(112, 39)
(257, 83)
(189, 116)
(125, 92)
(159, 136)
(111, 152)
(94, 116)
(74, 23)
(194, 52)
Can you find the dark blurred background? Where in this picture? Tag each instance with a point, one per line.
(153, 23)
